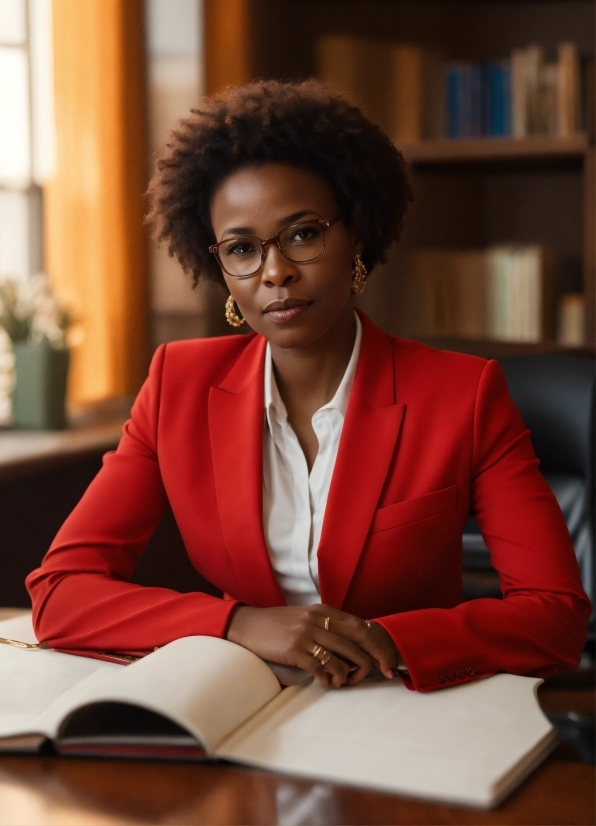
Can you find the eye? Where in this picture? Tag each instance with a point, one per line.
(239, 247)
(303, 234)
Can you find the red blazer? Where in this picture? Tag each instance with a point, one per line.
(429, 437)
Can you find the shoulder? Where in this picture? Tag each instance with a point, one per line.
(421, 368)
(208, 358)
(414, 354)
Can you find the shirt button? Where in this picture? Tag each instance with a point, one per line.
(471, 671)
(460, 675)
(451, 677)
(441, 678)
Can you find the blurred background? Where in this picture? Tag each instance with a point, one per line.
(492, 102)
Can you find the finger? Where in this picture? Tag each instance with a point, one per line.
(347, 651)
(379, 646)
(337, 669)
(314, 667)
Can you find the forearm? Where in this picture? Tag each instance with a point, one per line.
(528, 633)
(86, 611)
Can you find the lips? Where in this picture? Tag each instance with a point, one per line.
(286, 304)
(287, 310)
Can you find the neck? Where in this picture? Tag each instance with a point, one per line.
(308, 377)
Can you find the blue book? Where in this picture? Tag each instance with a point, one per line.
(475, 86)
(465, 109)
(485, 101)
(497, 110)
(507, 99)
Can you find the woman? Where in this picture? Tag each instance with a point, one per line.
(320, 471)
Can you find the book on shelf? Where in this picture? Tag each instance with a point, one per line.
(202, 698)
(399, 85)
(502, 293)
(415, 93)
(571, 320)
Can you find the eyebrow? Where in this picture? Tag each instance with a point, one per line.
(287, 220)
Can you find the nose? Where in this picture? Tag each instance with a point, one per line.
(277, 269)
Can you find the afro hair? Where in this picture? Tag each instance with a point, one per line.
(303, 124)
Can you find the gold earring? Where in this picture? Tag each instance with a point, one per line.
(231, 316)
(360, 272)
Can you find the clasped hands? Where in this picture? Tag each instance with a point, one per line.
(297, 636)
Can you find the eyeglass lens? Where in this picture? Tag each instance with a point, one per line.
(302, 242)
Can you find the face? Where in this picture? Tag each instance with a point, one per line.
(291, 304)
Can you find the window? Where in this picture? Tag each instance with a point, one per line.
(26, 142)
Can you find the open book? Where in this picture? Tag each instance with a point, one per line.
(204, 698)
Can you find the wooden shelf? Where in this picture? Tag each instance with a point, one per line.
(470, 150)
(486, 348)
(92, 431)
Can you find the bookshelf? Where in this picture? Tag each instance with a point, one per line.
(470, 193)
(493, 150)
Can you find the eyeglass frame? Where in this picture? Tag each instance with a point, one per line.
(264, 243)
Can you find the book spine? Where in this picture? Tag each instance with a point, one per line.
(589, 98)
(507, 98)
(499, 322)
(533, 262)
(475, 73)
(406, 92)
(571, 320)
(453, 101)
(519, 93)
(548, 98)
(465, 112)
(534, 61)
(486, 97)
(498, 113)
(568, 103)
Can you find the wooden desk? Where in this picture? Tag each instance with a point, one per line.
(53, 791)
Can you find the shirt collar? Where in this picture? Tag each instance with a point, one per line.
(274, 403)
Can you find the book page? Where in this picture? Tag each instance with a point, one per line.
(457, 744)
(206, 685)
(32, 679)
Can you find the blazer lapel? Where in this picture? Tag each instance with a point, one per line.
(367, 444)
(236, 433)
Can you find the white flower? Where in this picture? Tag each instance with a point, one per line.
(30, 311)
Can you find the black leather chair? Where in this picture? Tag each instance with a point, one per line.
(555, 396)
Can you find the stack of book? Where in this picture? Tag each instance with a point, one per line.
(502, 293)
(415, 93)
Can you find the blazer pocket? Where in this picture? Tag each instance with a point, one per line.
(414, 510)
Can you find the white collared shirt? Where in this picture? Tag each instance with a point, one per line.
(294, 501)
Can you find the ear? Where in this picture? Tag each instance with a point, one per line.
(356, 242)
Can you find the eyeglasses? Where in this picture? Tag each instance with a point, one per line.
(244, 255)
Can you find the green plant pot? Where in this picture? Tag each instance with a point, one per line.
(39, 399)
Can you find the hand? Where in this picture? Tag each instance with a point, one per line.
(289, 635)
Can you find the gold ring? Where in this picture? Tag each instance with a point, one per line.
(317, 650)
(327, 621)
(325, 660)
(369, 623)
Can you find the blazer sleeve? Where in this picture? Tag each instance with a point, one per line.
(82, 596)
(540, 624)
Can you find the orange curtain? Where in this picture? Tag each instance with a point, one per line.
(95, 242)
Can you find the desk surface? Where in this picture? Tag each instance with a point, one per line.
(53, 791)
(50, 790)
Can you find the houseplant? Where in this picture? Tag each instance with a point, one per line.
(37, 322)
